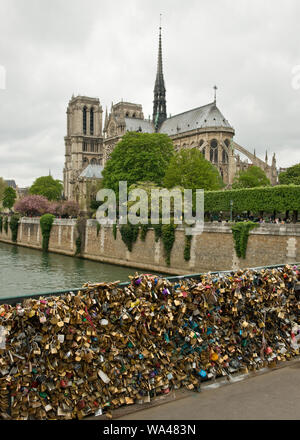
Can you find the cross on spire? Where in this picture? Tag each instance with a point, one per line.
(215, 94)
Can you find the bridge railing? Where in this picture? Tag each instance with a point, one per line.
(18, 299)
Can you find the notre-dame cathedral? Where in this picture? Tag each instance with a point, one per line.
(89, 143)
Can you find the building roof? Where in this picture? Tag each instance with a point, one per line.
(207, 116)
(92, 172)
(11, 183)
(143, 125)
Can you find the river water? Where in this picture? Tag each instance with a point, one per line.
(25, 271)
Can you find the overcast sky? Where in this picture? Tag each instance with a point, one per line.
(108, 49)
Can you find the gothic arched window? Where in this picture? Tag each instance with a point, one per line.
(84, 119)
(224, 156)
(94, 161)
(92, 121)
(214, 151)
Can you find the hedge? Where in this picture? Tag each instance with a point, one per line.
(278, 198)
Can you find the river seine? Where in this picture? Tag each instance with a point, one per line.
(25, 271)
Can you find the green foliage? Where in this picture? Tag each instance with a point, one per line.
(80, 239)
(168, 238)
(1, 224)
(157, 231)
(5, 225)
(290, 176)
(98, 228)
(144, 230)
(251, 178)
(2, 187)
(138, 157)
(187, 247)
(95, 205)
(9, 197)
(46, 222)
(48, 187)
(129, 234)
(240, 232)
(115, 231)
(279, 198)
(189, 169)
(14, 226)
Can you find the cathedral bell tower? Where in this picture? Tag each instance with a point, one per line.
(159, 103)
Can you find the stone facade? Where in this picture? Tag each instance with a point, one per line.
(213, 250)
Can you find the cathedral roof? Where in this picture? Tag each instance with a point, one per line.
(92, 171)
(207, 116)
(143, 125)
(11, 183)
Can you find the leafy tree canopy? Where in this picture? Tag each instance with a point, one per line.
(2, 188)
(251, 178)
(48, 187)
(138, 157)
(290, 176)
(189, 169)
(9, 197)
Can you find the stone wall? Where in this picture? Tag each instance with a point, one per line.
(212, 250)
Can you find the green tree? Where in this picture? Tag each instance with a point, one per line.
(290, 176)
(251, 178)
(138, 157)
(2, 188)
(189, 169)
(48, 187)
(9, 197)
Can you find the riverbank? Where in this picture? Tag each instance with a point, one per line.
(213, 250)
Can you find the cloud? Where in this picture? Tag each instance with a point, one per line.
(51, 50)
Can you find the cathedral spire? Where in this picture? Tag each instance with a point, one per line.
(159, 103)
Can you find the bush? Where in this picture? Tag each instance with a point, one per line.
(46, 222)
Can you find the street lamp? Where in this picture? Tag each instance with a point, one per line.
(231, 205)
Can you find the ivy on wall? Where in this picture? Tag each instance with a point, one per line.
(129, 234)
(187, 247)
(240, 232)
(115, 230)
(144, 230)
(80, 239)
(46, 222)
(168, 239)
(14, 226)
(98, 228)
(157, 231)
(5, 225)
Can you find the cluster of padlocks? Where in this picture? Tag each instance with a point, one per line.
(83, 354)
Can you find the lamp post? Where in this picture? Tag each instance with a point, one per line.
(231, 205)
